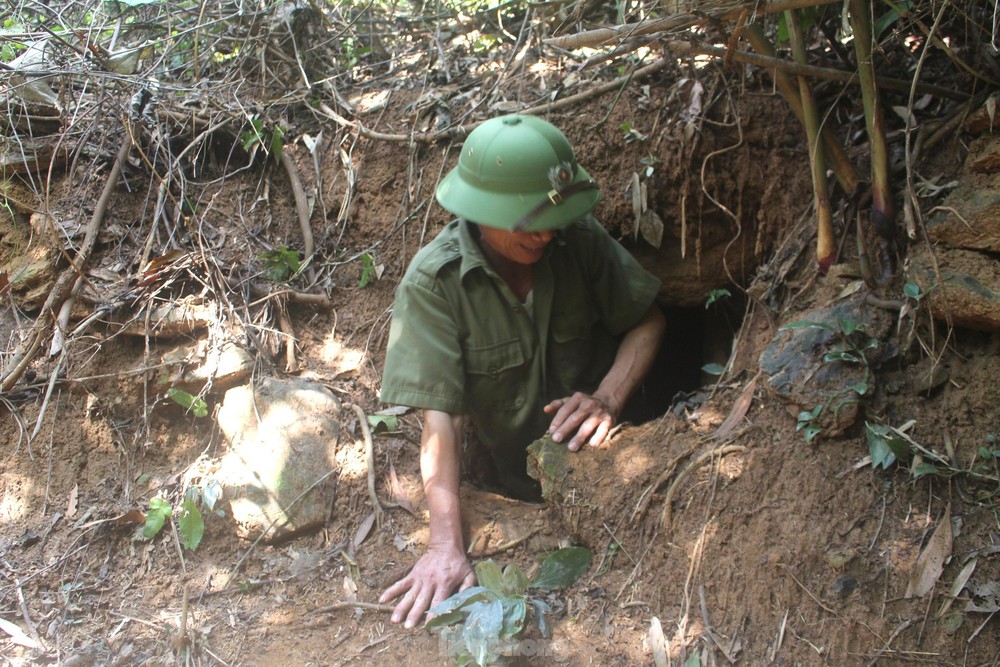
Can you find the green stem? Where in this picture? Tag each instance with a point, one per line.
(843, 168)
(826, 247)
(883, 216)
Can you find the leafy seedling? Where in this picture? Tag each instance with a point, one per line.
(189, 516)
(157, 516)
(368, 270)
(280, 264)
(715, 295)
(257, 137)
(194, 404)
(630, 133)
(807, 423)
(481, 624)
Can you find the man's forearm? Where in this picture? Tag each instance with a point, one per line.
(440, 452)
(635, 357)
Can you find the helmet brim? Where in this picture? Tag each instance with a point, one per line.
(504, 210)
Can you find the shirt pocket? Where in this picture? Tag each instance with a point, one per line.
(496, 375)
(572, 352)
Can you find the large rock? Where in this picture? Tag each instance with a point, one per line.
(193, 367)
(962, 286)
(797, 369)
(32, 275)
(183, 316)
(277, 476)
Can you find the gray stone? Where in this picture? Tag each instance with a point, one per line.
(278, 474)
(796, 371)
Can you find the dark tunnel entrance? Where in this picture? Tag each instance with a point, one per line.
(696, 338)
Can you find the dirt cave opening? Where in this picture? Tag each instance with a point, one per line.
(696, 346)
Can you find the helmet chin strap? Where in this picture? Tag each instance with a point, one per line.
(554, 198)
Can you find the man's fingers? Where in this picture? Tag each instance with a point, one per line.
(420, 605)
(395, 590)
(601, 433)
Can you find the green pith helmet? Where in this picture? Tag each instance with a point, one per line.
(518, 173)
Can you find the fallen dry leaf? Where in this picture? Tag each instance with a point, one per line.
(398, 492)
(364, 528)
(658, 643)
(739, 411)
(930, 562)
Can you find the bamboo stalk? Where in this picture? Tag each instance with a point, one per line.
(883, 215)
(843, 168)
(826, 247)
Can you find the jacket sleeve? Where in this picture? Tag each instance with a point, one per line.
(423, 364)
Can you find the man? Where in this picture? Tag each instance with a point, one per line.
(523, 314)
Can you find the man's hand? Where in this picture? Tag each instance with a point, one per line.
(444, 567)
(588, 416)
(592, 416)
(432, 580)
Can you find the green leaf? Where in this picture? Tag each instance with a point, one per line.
(714, 369)
(848, 326)
(715, 295)
(460, 599)
(482, 631)
(913, 291)
(810, 433)
(442, 620)
(489, 576)
(514, 609)
(563, 567)
(860, 388)
(253, 136)
(388, 422)
(846, 357)
(280, 264)
(925, 469)
(515, 581)
(156, 517)
(890, 17)
(805, 324)
(211, 492)
(367, 270)
(194, 404)
(542, 611)
(277, 142)
(885, 445)
(191, 525)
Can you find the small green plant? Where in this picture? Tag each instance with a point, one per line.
(888, 445)
(715, 295)
(368, 270)
(631, 134)
(280, 264)
(481, 624)
(190, 520)
(990, 456)
(807, 423)
(194, 404)
(258, 137)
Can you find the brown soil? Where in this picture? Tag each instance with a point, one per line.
(779, 553)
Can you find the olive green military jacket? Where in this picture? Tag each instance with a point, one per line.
(462, 343)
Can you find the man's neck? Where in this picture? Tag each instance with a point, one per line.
(519, 277)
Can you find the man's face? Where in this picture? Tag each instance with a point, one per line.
(517, 247)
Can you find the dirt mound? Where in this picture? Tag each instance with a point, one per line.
(726, 522)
